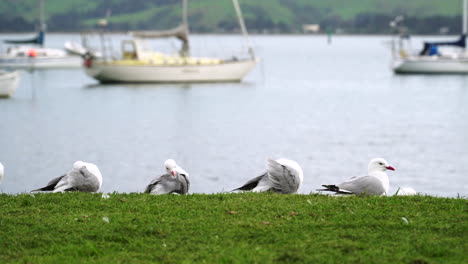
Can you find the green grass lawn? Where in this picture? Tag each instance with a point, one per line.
(231, 228)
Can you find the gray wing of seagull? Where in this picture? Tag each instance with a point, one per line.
(357, 185)
(50, 185)
(184, 184)
(81, 180)
(363, 184)
(284, 180)
(168, 184)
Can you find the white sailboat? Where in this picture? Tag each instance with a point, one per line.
(138, 65)
(8, 82)
(31, 54)
(33, 57)
(431, 60)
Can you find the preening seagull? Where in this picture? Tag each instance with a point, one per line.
(375, 183)
(1, 172)
(282, 176)
(174, 181)
(83, 177)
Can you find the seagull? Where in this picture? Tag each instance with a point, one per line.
(1, 172)
(174, 181)
(282, 176)
(375, 183)
(405, 191)
(83, 177)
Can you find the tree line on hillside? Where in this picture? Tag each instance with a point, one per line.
(361, 24)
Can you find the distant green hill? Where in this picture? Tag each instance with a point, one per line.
(277, 16)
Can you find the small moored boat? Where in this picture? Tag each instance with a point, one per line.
(31, 53)
(431, 59)
(32, 57)
(8, 82)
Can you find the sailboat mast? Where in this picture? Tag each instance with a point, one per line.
(184, 14)
(42, 24)
(243, 28)
(465, 20)
(185, 50)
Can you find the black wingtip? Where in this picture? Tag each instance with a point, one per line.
(247, 187)
(243, 188)
(50, 186)
(334, 188)
(43, 189)
(149, 188)
(250, 185)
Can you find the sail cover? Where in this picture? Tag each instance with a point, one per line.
(461, 42)
(180, 32)
(39, 39)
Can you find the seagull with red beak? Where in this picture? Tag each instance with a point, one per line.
(375, 183)
(172, 168)
(174, 181)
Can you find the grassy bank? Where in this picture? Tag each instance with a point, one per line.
(231, 228)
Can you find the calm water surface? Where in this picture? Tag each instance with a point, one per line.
(329, 107)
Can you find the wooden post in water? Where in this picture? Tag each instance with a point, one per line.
(329, 36)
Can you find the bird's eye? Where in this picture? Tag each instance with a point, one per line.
(381, 163)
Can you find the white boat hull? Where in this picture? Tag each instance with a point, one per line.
(8, 83)
(224, 72)
(40, 63)
(431, 65)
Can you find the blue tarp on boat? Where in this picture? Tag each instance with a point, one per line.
(461, 42)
